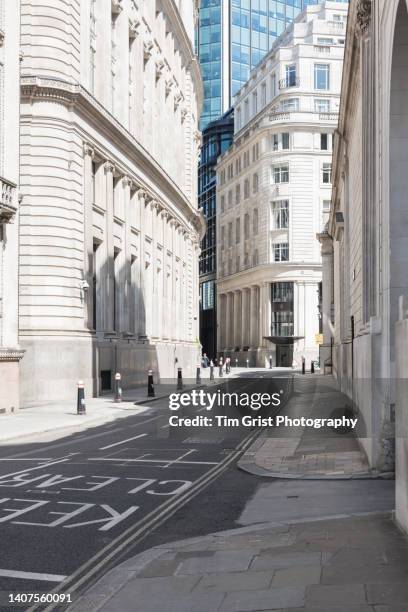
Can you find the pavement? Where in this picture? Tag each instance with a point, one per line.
(304, 452)
(343, 564)
(53, 420)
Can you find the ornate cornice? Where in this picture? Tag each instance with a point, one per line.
(364, 8)
(78, 98)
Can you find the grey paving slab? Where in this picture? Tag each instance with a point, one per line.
(220, 561)
(365, 572)
(198, 602)
(284, 560)
(395, 593)
(324, 595)
(297, 576)
(236, 581)
(271, 599)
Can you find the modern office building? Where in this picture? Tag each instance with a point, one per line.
(10, 353)
(233, 37)
(216, 139)
(110, 231)
(274, 191)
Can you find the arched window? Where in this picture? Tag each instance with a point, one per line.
(255, 183)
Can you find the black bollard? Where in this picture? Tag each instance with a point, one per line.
(198, 375)
(303, 366)
(211, 371)
(312, 367)
(247, 363)
(81, 408)
(118, 388)
(150, 384)
(270, 363)
(179, 379)
(220, 368)
(236, 363)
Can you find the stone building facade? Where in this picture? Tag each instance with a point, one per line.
(273, 194)
(10, 352)
(366, 243)
(109, 230)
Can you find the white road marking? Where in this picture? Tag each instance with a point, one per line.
(37, 467)
(30, 459)
(123, 441)
(31, 576)
(179, 458)
(165, 461)
(165, 426)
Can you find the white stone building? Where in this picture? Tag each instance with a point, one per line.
(109, 229)
(10, 353)
(273, 194)
(366, 244)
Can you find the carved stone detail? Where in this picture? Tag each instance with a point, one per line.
(364, 8)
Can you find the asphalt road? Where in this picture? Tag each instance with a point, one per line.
(70, 510)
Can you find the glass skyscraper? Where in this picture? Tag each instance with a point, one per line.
(233, 37)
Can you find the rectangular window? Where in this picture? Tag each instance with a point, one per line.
(207, 295)
(285, 140)
(223, 237)
(280, 173)
(290, 74)
(325, 41)
(254, 103)
(292, 104)
(263, 94)
(326, 174)
(322, 77)
(237, 230)
(222, 203)
(280, 214)
(273, 86)
(275, 142)
(230, 234)
(282, 311)
(321, 105)
(281, 251)
(324, 142)
(93, 180)
(246, 111)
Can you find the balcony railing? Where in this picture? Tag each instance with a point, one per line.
(7, 204)
(328, 116)
(279, 116)
(289, 82)
(322, 48)
(337, 25)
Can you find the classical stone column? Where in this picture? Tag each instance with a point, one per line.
(230, 319)
(127, 297)
(254, 316)
(237, 319)
(244, 318)
(109, 284)
(88, 233)
(327, 288)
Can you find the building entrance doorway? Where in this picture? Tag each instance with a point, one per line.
(284, 355)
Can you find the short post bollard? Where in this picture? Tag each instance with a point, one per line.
(247, 363)
(303, 365)
(198, 374)
(220, 368)
(270, 362)
(81, 408)
(150, 384)
(179, 379)
(236, 363)
(211, 370)
(312, 367)
(118, 387)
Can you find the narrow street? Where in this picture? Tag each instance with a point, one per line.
(72, 509)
